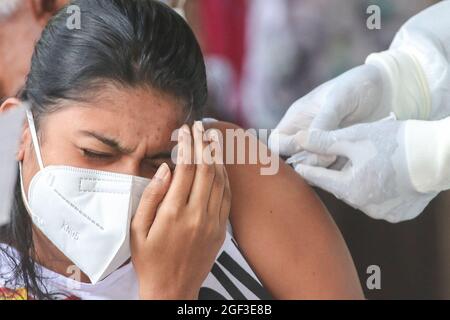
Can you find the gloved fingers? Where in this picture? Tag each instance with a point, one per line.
(282, 144)
(311, 159)
(318, 160)
(299, 115)
(324, 143)
(287, 145)
(329, 118)
(326, 179)
(297, 119)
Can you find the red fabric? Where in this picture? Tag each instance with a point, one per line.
(22, 294)
(224, 26)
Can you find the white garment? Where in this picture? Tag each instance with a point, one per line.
(428, 154)
(231, 278)
(418, 70)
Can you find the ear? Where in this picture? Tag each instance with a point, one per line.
(43, 10)
(25, 142)
(10, 104)
(59, 4)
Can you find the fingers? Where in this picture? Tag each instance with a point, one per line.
(334, 108)
(326, 179)
(285, 144)
(326, 121)
(226, 201)
(205, 172)
(329, 143)
(180, 189)
(318, 142)
(218, 187)
(284, 139)
(150, 200)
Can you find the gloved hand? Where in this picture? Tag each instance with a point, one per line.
(358, 95)
(376, 179)
(414, 83)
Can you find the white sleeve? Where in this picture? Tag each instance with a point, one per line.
(416, 67)
(428, 154)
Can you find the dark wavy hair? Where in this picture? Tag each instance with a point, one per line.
(127, 43)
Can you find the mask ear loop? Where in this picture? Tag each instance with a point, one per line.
(32, 127)
(22, 188)
(36, 219)
(34, 137)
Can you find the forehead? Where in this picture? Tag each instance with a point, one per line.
(127, 114)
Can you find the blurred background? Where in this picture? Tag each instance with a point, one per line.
(263, 55)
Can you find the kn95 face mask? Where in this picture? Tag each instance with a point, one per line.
(85, 213)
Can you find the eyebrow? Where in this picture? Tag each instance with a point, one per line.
(114, 144)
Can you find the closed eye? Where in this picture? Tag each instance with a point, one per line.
(96, 155)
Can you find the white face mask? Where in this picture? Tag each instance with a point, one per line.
(85, 213)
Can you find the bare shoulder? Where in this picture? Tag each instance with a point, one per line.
(282, 227)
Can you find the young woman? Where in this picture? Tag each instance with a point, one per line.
(104, 102)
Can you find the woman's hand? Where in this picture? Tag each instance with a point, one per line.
(179, 227)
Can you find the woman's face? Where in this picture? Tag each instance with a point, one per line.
(124, 131)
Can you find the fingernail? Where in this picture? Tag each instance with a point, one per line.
(214, 136)
(186, 129)
(199, 126)
(162, 172)
(301, 139)
(180, 135)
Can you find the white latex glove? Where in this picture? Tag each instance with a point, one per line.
(415, 75)
(356, 96)
(376, 178)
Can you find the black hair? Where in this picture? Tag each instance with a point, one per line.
(127, 43)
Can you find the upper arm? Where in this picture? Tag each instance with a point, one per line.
(287, 235)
